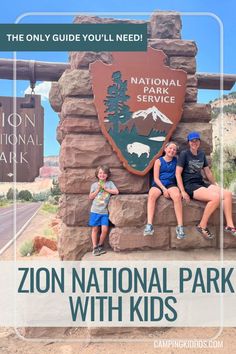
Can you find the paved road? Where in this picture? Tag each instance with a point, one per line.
(23, 213)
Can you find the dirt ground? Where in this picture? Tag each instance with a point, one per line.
(10, 343)
(136, 341)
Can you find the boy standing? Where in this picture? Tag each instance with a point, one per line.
(100, 193)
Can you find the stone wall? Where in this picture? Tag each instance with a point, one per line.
(83, 148)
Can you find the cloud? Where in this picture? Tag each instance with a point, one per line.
(41, 89)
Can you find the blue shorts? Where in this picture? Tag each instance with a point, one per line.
(98, 219)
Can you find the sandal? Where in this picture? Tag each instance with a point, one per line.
(205, 233)
(231, 230)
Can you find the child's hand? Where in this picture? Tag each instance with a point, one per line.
(185, 196)
(101, 185)
(166, 193)
(105, 190)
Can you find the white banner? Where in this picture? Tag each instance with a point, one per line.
(136, 294)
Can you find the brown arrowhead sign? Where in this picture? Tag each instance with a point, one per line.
(139, 102)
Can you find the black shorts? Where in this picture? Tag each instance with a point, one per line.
(167, 187)
(191, 187)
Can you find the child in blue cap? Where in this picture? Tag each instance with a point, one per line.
(191, 184)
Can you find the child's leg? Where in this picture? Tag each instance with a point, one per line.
(103, 235)
(213, 200)
(228, 208)
(227, 203)
(153, 195)
(94, 236)
(177, 200)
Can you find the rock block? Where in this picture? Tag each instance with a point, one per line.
(196, 112)
(192, 80)
(229, 241)
(75, 83)
(80, 180)
(80, 125)
(80, 150)
(175, 47)
(193, 211)
(47, 252)
(166, 24)
(74, 242)
(128, 210)
(40, 241)
(131, 238)
(81, 60)
(97, 19)
(74, 209)
(131, 210)
(187, 64)
(59, 134)
(191, 94)
(78, 106)
(55, 97)
(193, 239)
(165, 215)
(217, 215)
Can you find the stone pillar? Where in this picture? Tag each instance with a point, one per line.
(83, 148)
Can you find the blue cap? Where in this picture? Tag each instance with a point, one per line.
(193, 135)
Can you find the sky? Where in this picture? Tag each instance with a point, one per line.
(202, 28)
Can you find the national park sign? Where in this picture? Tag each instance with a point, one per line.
(139, 102)
(21, 138)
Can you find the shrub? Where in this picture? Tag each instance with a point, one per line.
(27, 248)
(55, 190)
(49, 208)
(54, 200)
(48, 232)
(25, 195)
(229, 165)
(4, 202)
(41, 196)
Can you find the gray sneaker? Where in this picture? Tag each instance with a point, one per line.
(101, 250)
(180, 232)
(148, 230)
(205, 232)
(96, 251)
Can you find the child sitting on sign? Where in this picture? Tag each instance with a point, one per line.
(191, 162)
(100, 193)
(165, 183)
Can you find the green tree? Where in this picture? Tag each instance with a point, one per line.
(25, 195)
(10, 194)
(118, 111)
(229, 165)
